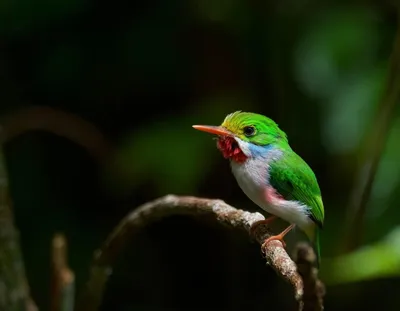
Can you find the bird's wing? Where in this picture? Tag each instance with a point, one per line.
(294, 180)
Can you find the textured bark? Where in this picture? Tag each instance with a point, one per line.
(313, 288)
(14, 290)
(275, 255)
(14, 294)
(63, 278)
(60, 123)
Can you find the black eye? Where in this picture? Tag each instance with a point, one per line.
(249, 130)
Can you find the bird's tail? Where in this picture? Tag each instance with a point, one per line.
(313, 235)
(317, 246)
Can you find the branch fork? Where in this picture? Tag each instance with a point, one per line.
(303, 280)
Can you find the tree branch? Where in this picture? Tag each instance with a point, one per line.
(105, 257)
(373, 153)
(314, 289)
(63, 278)
(14, 289)
(57, 122)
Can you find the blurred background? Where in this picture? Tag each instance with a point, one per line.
(138, 74)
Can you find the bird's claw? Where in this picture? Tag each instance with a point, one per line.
(270, 239)
(278, 237)
(256, 224)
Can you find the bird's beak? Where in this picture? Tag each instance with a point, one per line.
(217, 130)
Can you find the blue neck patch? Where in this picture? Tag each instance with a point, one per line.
(260, 151)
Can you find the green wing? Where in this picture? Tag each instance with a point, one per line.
(293, 179)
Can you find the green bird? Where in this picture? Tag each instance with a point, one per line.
(270, 173)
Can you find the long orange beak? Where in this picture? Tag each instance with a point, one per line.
(217, 130)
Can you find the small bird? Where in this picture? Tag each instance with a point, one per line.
(270, 173)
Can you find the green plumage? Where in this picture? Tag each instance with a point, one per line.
(289, 174)
(267, 131)
(294, 180)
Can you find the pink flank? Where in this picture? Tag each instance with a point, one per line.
(273, 197)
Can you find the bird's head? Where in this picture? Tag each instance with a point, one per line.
(245, 134)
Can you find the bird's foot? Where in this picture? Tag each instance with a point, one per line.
(260, 222)
(278, 237)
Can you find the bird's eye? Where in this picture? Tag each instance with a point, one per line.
(249, 130)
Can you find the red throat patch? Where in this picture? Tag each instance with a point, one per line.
(230, 149)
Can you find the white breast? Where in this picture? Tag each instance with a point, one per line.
(253, 178)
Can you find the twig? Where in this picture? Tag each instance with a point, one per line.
(30, 305)
(314, 289)
(14, 290)
(58, 122)
(63, 282)
(105, 257)
(374, 151)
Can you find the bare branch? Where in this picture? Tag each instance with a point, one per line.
(60, 123)
(105, 257)
(63, 279)
(57, 122)
(14, 289)
(314, 289)
(373, 153)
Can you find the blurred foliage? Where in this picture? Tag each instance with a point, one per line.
(335, 64)
(21, 16)
(387, 176)
(375, 261)
(157, 158)
(144, 73)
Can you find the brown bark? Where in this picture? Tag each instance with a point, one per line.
(14, 291)
(275, 254)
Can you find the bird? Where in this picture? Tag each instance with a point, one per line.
(271, 174)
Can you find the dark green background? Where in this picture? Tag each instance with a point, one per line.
(143, 72)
